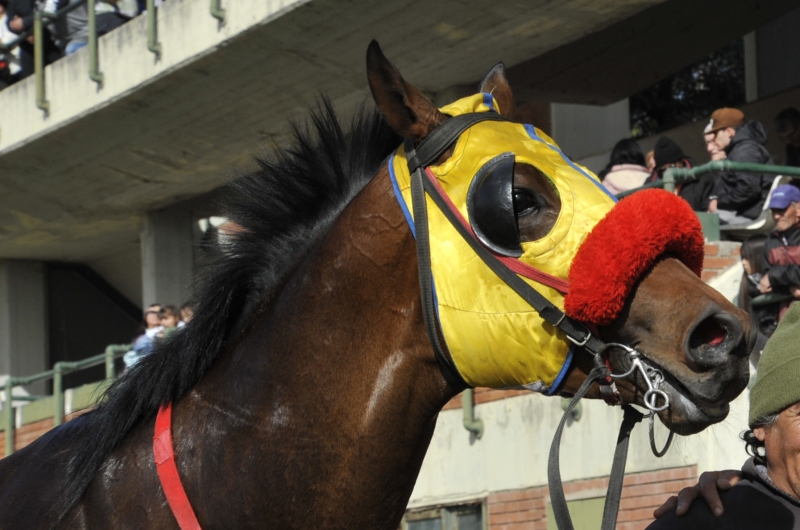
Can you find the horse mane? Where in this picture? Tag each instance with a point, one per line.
(283, 208)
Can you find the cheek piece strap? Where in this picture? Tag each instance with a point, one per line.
(419, 158)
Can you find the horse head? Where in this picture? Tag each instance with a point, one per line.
(629, 271)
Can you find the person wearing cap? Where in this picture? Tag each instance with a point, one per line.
(766, 493)
(782, 247)
(668, 154)
(739, 197)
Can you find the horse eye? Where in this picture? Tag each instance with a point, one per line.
(524, 202)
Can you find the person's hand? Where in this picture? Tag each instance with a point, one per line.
(15, 24)
(794, 290)
(712, 206)
(709, 486)
(763, 285)
(719, 155)
(30, 39)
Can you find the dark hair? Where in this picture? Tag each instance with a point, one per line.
(753, 251)
(753, 445)
(787, 118)
(4, 3)
(284, 208)
(626, 151)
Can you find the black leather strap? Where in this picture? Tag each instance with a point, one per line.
(426, 278)
(440, 139)
(557, 499)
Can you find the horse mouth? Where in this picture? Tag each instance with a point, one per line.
(691, 411)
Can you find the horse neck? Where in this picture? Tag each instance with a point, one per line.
(337, 371)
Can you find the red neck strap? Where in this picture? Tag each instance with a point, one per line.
(514, 264)
(168, 471)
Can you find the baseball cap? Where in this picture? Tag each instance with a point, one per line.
(783, 196)
(725, 117)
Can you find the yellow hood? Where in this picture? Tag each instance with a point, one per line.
(495, 338)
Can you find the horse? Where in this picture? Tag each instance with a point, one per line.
(305, 390)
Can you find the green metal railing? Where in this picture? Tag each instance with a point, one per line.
(59, 370)
(41, 19)
(677, 175)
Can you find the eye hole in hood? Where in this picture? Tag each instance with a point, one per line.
(490, 204)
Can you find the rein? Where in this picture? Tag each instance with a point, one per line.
(508, 269)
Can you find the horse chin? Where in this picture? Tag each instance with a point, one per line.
(687, 414)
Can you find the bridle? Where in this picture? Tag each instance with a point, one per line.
(423, 182)
(508, 269)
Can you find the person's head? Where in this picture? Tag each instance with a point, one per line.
(151, 317)
(187, 312)
(752, 252)
(650, 159)
(774, 418)
(3, 7)
(713, 150)
(783, 205)
(169, 316)
(723, 126)
(626, 151)
(787, 124)
(668, 154)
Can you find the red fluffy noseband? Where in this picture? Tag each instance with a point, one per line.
(629, 239)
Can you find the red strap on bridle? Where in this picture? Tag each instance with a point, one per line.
(168, 471)
(514, 264)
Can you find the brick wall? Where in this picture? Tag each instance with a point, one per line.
(641, 494)
(719, 256)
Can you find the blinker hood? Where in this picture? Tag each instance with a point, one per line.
(494, 337)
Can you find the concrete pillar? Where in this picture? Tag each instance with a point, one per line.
(778, 54)
(589, 132)
(750, 67)
(583, 130)
(23, 318)
(167, 256)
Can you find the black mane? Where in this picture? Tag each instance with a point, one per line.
(284, 208)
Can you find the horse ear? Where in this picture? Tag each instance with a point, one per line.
(496, 84)
(406, 109)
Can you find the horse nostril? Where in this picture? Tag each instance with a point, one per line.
(713, 339)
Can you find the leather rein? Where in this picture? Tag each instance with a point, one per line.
(509, 270)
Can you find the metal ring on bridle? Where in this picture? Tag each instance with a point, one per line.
(664, 450)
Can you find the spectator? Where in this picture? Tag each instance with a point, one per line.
(787, 125)
(143, 345)
(782, 247)
(9, 69)
(625, 170)
(714, 152)
(77, 27)
(739, 197)
(650, 159)
(696, 192)
(767, 491)
(19, 20)
(187, 313)
(754, 265)
(169, 318)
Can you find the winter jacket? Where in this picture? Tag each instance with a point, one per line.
(624, 177)
(782, 252)
(23, 9)
(744, 193)
(753, 503)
